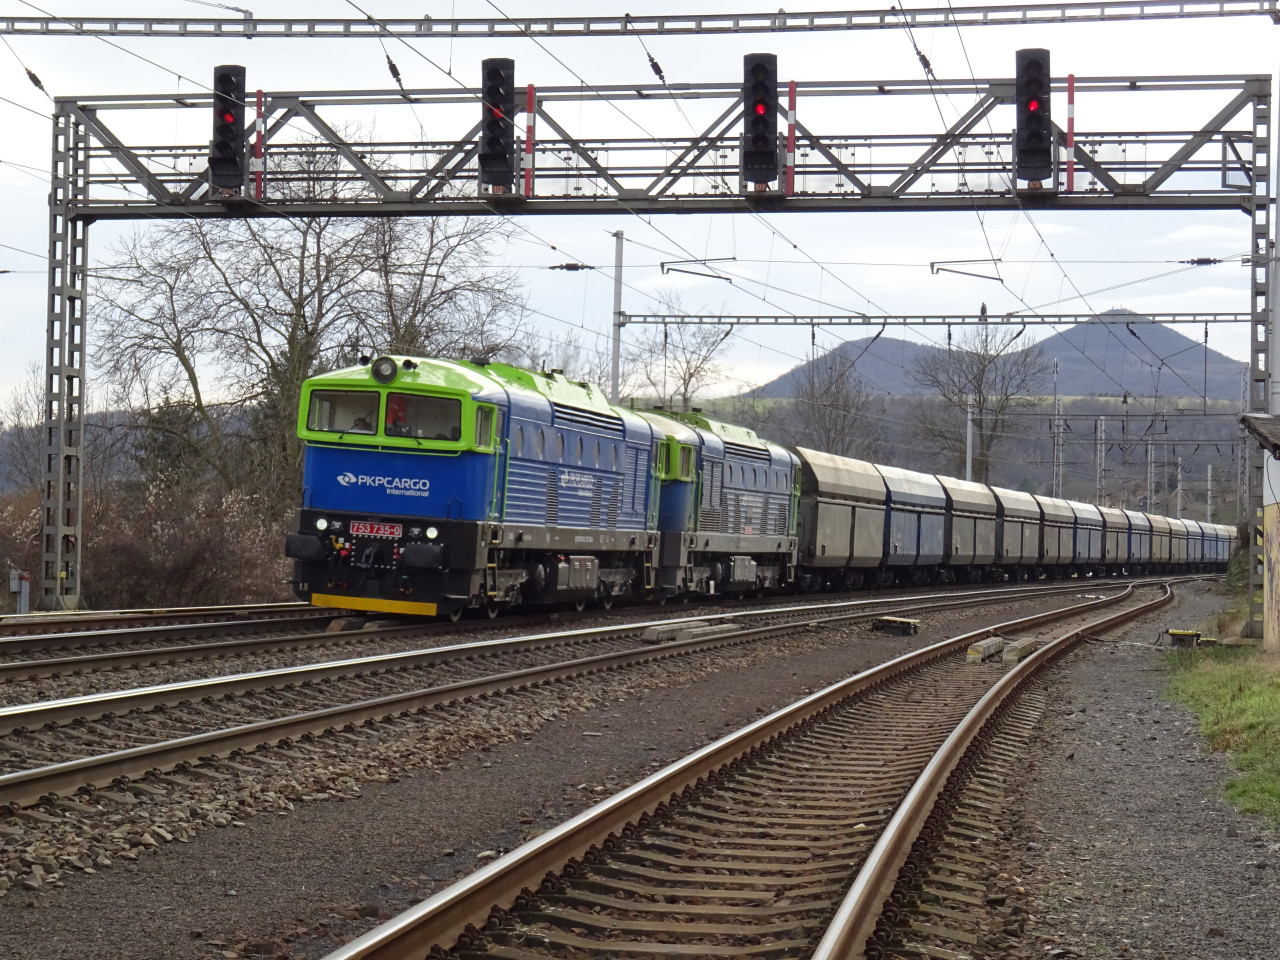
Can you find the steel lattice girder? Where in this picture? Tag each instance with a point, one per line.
(1212, 166)
(666, 25)
(930, 320)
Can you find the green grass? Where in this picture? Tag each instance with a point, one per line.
(1236, 693)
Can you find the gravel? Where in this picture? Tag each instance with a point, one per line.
(1140, 857)
(294, 883)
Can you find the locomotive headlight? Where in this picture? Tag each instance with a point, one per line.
(322, 524)
(384, 369)
(432, 533)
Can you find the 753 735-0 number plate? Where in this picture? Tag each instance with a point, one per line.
(363, 528)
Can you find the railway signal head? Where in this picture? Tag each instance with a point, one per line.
(498, 130)
(1033, 137)
(226, 149)
(760, 129)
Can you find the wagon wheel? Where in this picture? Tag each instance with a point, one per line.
(492, 608)
(579, 605)
(606, 599)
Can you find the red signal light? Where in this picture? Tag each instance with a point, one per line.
(228, 117)
(1033, 105)
(761, 108)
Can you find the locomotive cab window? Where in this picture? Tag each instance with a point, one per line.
(686, 463)
(343, 411)
(484, 426)
(424, 418)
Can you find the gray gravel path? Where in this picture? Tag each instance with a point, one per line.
(1139, 854)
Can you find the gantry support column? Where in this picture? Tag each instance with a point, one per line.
(60, 533)
(1261, 399)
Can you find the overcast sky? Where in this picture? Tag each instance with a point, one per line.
(876, 263)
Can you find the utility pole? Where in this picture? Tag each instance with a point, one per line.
(1151, 474)
(619, 319)
(1057, 434)
(1208, 496)
(968, 439)
(1099, 460)
(1243, 443)
(1179, 488)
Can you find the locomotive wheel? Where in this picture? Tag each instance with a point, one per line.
(492, 609)
(454, 615)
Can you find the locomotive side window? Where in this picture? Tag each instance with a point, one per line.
(686, 463)
(343, 411)
(560, 447)
(542, 444)
(426, 418)
(597, 463)
(519, 441)
(484, 426)
(613, 456)
(579, 451)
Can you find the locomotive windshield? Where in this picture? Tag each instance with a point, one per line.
(426, 418)
(343, 411)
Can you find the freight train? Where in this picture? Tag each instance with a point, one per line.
(436, 486)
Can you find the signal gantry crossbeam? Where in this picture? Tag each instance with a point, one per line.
(1211, 165)
(587, 165)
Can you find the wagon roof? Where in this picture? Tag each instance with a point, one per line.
(910, 487)
(1085, 512)
(1114, 517)
(969, 495)
(843, 477)
(1017, 504)
(1056, 509)
(1138, 520)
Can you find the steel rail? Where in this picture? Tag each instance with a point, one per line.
(113, 635)
(70, 623)
(26, 787)
(119, 659)
(91, 706)
(856, 917)
(440, 919)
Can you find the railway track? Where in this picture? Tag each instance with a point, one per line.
(808, 833)
(88, 621)
(148, 655)
(57, 747)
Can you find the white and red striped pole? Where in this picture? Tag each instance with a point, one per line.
(1071, 132)
(526, 159)
(791, 139)
(259, 134)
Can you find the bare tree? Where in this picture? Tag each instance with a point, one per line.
(677, 360)
(591, 365)
(22, 433)
(834, 411)
(983, 369)
(228, 318)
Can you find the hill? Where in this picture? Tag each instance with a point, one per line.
(1104, 357)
